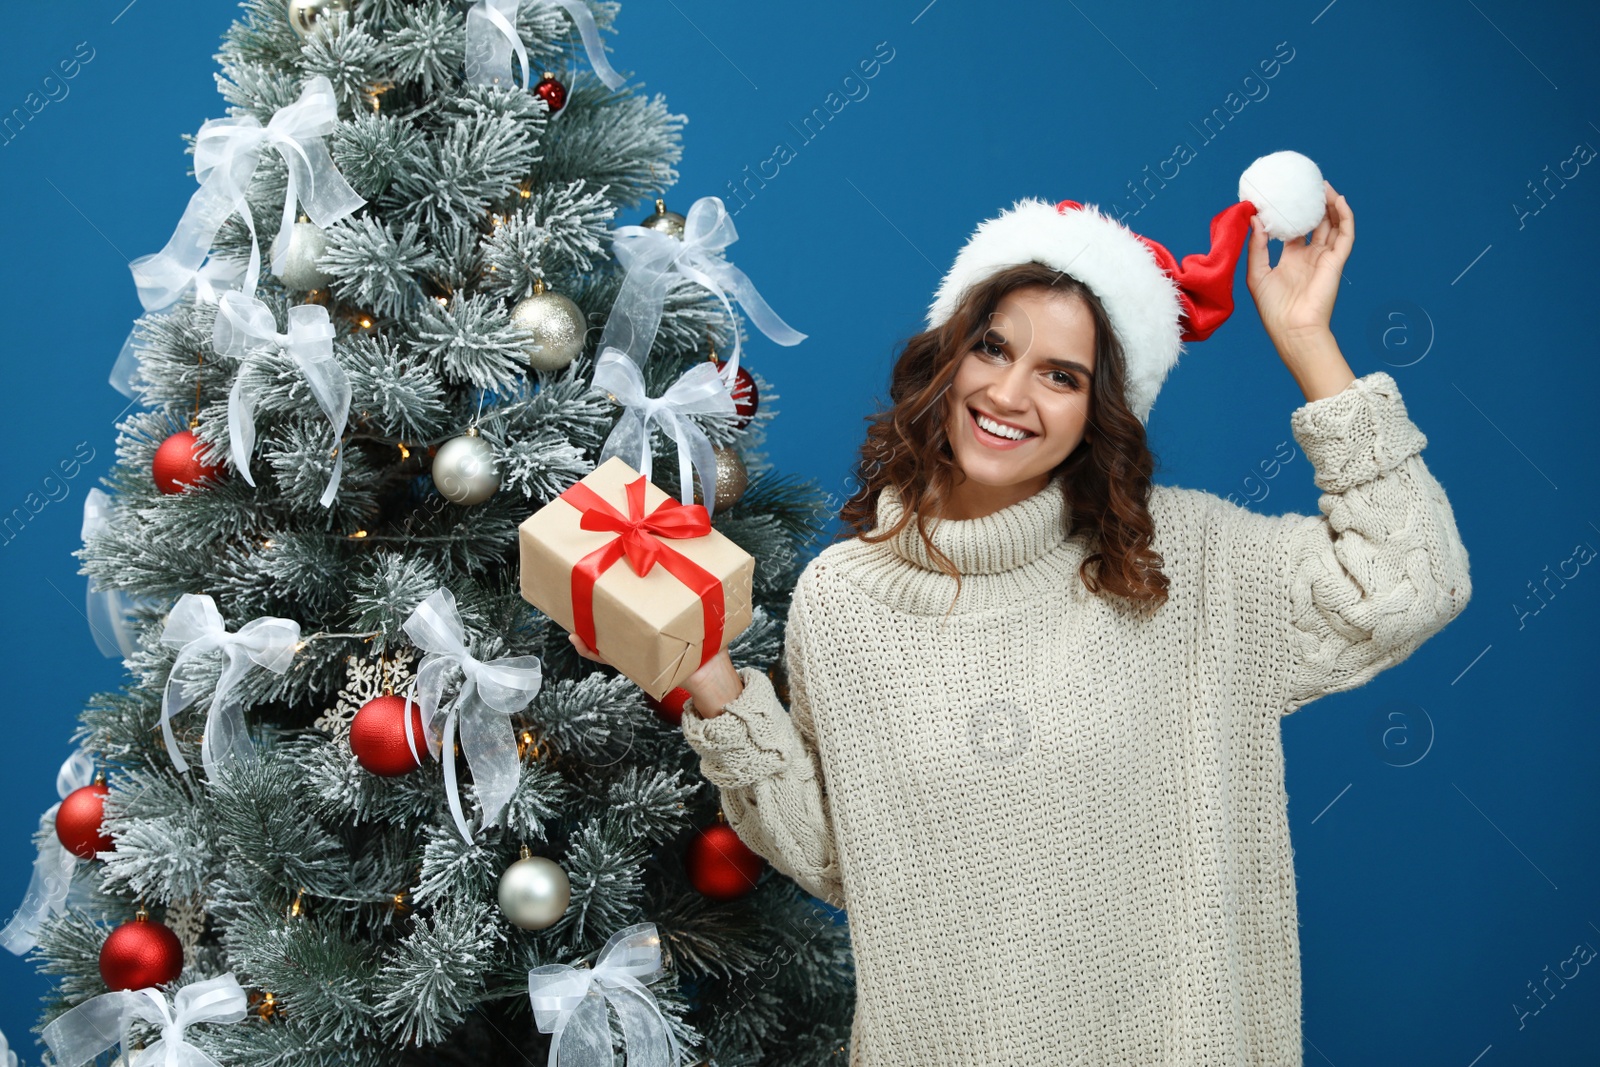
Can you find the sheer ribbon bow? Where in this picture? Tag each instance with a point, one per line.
(651, 257)
(208, 283)
(570, 1003)
(226, 154)
(245, 325)
(490, 694)
(195, 625)
(106, 609)
(92, 1027)
(492, 39)
(52, 870)
(699, 389)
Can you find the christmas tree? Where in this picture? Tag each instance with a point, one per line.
(369, 352)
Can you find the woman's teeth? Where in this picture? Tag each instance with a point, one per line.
(1000, 430)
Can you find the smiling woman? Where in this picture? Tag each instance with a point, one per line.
(1112, 883)
(1032, 348)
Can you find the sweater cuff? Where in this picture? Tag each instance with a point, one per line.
(1357, 434)
(750, 741)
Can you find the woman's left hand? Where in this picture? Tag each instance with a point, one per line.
(1295, 298)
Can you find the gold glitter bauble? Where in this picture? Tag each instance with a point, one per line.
(665, 221)
(558, 327)
(732, 478)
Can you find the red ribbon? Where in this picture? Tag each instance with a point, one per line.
(640, 542)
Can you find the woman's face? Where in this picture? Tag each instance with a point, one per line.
(1032, 371)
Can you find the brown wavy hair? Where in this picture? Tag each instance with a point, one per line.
(1106, 478)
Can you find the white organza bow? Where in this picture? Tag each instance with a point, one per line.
(52, 869)
(651, 256)
(245, 325)
(226, 153)
(106, 609)
(213, 278)
(492, 39)
(490, 693)
(92, 1027)
(195, 625)
(699, 389)
(570, 1003)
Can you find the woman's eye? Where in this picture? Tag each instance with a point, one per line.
(1060, 378)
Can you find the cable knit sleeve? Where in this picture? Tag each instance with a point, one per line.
(765, 762)
(1382, 568)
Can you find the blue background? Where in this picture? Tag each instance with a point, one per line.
(1444, 815)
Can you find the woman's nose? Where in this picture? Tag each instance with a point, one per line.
(1010, 389)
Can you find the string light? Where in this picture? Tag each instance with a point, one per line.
(405, 453)
(358, 535)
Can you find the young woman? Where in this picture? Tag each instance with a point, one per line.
(1033, 738)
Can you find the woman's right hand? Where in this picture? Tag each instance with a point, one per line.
(585, 651)
(712, 685)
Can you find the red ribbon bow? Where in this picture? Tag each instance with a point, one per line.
(640, 541)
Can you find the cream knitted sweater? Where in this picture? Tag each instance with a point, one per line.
(1060, 832)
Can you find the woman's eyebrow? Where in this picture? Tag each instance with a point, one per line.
(1065, 364)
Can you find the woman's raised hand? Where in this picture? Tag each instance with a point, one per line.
(1295, 298)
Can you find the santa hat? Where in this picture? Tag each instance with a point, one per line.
(1153, 301)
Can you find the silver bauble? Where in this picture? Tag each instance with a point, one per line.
(665, 221)
(464, 470)
(534, 892)
(558, 327)
(733, 478)
(306, 246)
(308, 16)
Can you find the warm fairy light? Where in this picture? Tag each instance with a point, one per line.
(300, 646)
(405, 453)
(527, 194)
(365, 322)
(358, 535)
(269, 543)
(444, 301)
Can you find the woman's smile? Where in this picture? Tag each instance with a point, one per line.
(992, 440)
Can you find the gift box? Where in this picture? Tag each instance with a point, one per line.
(643, 578)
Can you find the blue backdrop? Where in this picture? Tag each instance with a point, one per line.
(1443, 815)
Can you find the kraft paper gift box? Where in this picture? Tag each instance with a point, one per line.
(654, 627)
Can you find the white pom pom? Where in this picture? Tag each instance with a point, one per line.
(1286, 188)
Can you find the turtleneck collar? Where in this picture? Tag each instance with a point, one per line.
(998, 542)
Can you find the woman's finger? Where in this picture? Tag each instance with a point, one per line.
(1257, 265)
(584, 650)
(1345, 234)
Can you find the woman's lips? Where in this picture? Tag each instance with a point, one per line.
(989, 440)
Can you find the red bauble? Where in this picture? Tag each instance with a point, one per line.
(78, 822)
(720, 865)
(378, 736)
(552, 92)
(670, 706)
(176, 465)
(140, 954)
(745, 398)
